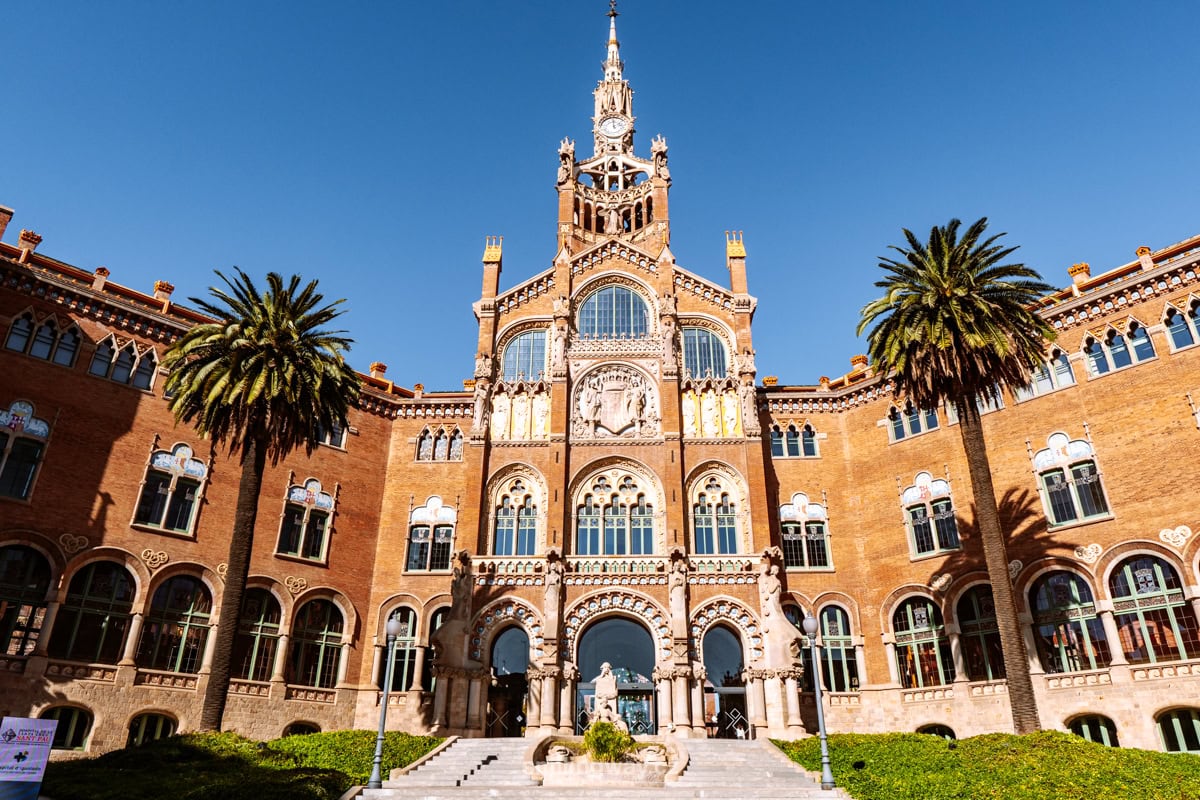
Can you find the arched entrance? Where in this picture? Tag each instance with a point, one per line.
(629, 649)
(724, 688)
(506, 694)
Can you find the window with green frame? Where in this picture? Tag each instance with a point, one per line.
(979, 636)
(1095, 728)
(839, 664)
(176, 627)
(304, 531)
(516, 527)
(922, 647)
(1179, 730)
(436, 620)
(74, 727)
(1070, 482)
(944, 731)
(1069, 634)
(405, 669)
(316, 648)
(24, 582)
(1155, 621)
(171, 490)
(94, 619)
(149, 728)
(256, 645)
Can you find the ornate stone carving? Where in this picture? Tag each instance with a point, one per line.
(1177, 538)
(295, 585)
(1014, 569)
(677, 591)
(222, 570)
(1090, 553)
(500, 614)
(615, 401)
(480, 419)
(645, 609)
(154, 559)
(942, 582)
(72, 544)
(658, 152)
(483, 366)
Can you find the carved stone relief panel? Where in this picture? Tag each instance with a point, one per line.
(615, 401)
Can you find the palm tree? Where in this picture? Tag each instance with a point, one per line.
(264, 379)
(956, 324)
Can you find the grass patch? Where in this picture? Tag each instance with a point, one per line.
(225, 766)
(1050, 764)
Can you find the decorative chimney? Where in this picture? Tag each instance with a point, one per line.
(858, 363)
(418, 390)
(1080, 273)
(28, 241)
(825, 383)
(99, 278)
(1143, 254)
(735, 259)
(493, 257)
(162, 290)
(771, 381)
(6, 215)
(378, 369)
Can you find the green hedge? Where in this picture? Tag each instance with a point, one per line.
(225, 766)
(910, 766)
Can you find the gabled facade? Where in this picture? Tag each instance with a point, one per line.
(617, 484)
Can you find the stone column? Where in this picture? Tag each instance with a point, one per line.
(549, 692)
(343, 664)
(441, 700)
(566, 700)
(1113, 634)
(758, 691)
(378, 664)
(662, 699)
(43, 640)
(698, 700)
(889, 648)
(956, 654)
(210, 647)
(418, 671)
(775, 701)
(280, 665)
(474, 703)
(533, 700)
(860, 662)
(792, 688)
(679, 697)
(1031, 649)
(132, 637)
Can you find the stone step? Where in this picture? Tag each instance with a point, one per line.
(559, 793)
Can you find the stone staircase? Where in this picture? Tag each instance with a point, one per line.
(719, 769)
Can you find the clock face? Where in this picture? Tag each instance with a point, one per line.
(613, 127)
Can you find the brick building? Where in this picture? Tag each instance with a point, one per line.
(627, 490)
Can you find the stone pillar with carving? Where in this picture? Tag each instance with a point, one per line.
(475, 702)
(681, 676)
(791, 688)
(210, 648)
(700, 675)
(549, 716)
(132, 637)
(441, 700)
(533, 697)
(889, 649)
(860, 663)
(566, 700)
(1112, 633)
(662, 696)
(956, 653)
(344, 663)
(757, 694)
(279, 668)
(776, 704)
(418, 676)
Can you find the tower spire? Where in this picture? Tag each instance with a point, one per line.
(613, 121)
(613, 64)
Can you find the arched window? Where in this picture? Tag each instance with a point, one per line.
(431, 536)
(1156, 623)
(1071, 487)
(44, 340)
(944, 731)
(176, 628)
(304, 530)
(613, 312)
(1069, 634)
(910, 421)
(124, 365)
(1179, 730)
(405, 667)
(922, 648)
(66, 348)
(316, 648)
(804, 534)
(102, 359)
(143, 376)
(1183, 329)
(93, 621)
(839, 665)
(20, 333)
(22, 441)
(171, 490)
(525, 357)
(1095, 728)
(703, 354)
(808, 442)
(515, 532)
(777, 450)
(24, 581)
(257, 640)
(1117, 350)
(615, 520)
(1050, 376)
(456, 445)
(74, 727)
(425, 446)
(929, 512)
(301, 729)
(714, 521)
(441, 446)
(149, 728)
(979, 635)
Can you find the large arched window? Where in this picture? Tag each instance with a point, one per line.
(1069, 634)
(1155, 621)
(804, 534)
(525, 357)
(171, 490)
(615, 519)
(1180, 730)
(1095, 728)
(74, 727)
(1071, 487)
(1183, 329)
(515, 532)
(303, 532)
(703, 354)
(177, 626)
(922, 648)
(24, 581)
(929, 512)
(94, 620)
(1048, 377)
(979, 635)
(257, 640)
(714, 520)
(431, 536)
(614, 312)
(22, 441)
(405, 667)
(149, 728)
(316, 645)
(839, 665)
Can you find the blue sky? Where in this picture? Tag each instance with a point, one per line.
(373, 145)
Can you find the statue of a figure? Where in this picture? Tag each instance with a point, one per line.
(658, 152)
(749, 408)
(666, 303)
(668, 340)
(566, 160)
(561, 306)
(589, 405)
(677, 592)
(745, 362)
(711, 426)
(461, 586)
(729, 410)
(520, 417)
(635, 404)
(481, 408)
(612, 223)
(558, 359)
(541, 415)
(554, 578)
(606, 695)
(689, 414)
(483, 366)
(500, 409)
(769, 590)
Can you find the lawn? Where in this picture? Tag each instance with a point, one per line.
(910, 766)
(225, 766)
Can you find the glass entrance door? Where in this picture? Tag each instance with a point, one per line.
(629, 650)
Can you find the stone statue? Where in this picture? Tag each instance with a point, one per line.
(483, 366)
(689, 414)
(730, 411)
(749, 408)
(554, 578)
(460, 586)
(612, 222)
(666, 303)
(635, 403)
(500, 409)
(589, 405)
(658, 152)
(558, 357)
(668, 339)
(745, 362)
(710, 425)
(561, 306)
(769, 590)
(520, 417)
(566, 160)
(541, 415)
(677, 591)
(605, 709)
(481, 409)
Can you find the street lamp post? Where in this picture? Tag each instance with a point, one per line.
(811, 626)
(394, 626)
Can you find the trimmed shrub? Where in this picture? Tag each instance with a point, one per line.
(350, 752)
(606, 742)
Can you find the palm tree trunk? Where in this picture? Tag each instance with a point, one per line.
(241, 543)
(987, 520)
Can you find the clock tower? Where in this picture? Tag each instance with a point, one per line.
(613, 120)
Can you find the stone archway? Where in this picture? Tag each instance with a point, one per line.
(628, 648)
(509, 659)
